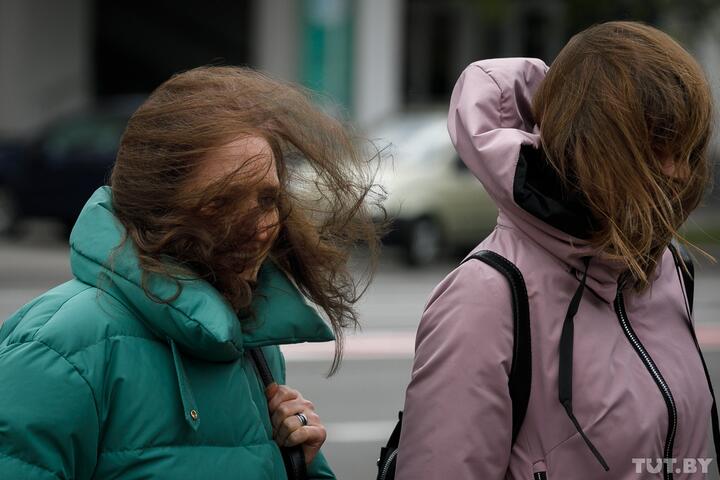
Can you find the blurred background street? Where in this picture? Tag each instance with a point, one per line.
(73, 71)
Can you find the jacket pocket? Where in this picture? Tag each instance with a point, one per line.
(539, 476)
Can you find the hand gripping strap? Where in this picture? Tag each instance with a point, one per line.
(293, 457)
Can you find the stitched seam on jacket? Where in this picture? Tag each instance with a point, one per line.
(28, 308)
(557, 261)
(278, 341)
(173, 307)
(51, 316)
(500, 100)
(561, 443)
(77, 370)
(586, 427)
(29, 464)
(90, 345)
(170, 446)
(154, 339)
(119, 335)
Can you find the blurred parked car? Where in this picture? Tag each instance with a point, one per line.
(435, 205)
(10, 153)
(53, 175)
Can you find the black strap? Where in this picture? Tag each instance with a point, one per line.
(520, 379)
(684, 264)
(686, 272)
(566, 345)
(565, 364)
(387, 461)
(293, 457)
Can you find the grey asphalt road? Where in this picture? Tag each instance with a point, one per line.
(360, 403)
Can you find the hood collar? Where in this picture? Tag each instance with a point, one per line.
(200, 321)
(491, 125)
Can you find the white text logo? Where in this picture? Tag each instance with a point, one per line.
(676, 465)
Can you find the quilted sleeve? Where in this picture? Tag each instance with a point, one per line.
(49, 425)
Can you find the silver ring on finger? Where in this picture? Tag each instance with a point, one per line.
(303, 419)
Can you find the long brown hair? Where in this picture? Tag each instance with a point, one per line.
(324, 204)
(625, 116)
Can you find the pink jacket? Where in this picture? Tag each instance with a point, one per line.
(634, 407)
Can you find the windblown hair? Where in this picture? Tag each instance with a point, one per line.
(621, 103)
(324, 205)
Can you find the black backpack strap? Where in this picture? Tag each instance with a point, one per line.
(684, 263)
(521, 369)
(686, 271)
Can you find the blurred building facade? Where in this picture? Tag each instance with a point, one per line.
(58, 56)
(369, 59)
(45, 68)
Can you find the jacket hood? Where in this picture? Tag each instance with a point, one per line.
(200, 321)
(491, 125)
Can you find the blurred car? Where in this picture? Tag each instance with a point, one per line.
(434, 203)
(53, 175)
(10, 154)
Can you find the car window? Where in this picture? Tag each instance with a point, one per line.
(415, 142)
(94, 136)
(398, 130)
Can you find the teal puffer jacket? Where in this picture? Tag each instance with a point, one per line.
(99, 381)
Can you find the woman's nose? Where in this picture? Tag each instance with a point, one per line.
(267, 226)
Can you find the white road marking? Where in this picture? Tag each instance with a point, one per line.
(376, 431)
(708, 335)
(377, 345)
(387, 345)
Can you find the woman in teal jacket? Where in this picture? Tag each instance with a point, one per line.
(198, 251)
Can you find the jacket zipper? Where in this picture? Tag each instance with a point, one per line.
(388, 462)
(655, 373)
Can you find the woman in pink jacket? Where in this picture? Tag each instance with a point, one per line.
(594, 165)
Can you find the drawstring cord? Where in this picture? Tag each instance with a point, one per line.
(192, 416)
(566, 363)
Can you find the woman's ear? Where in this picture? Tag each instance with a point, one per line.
(669, 167)
(674, 170)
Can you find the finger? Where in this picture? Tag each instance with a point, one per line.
(310, 437)
(286, 428)
(289, 409)
(293, 423)
(286, 411)
(283, 394)
(271, 390)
